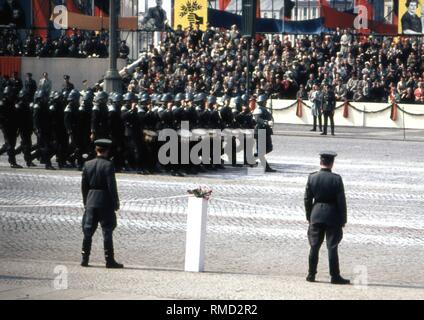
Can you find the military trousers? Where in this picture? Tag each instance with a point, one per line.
(90, 221)
(10, 133)
(331, 116)
(316, 234)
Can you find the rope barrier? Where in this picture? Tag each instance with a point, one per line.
(352, 106)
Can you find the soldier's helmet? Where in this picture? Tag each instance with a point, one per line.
(154, 98)
(199, 97)
(101, 97)
(166, 97)
(144, 97)
(188, 97)
(225, 98)
(65, 94)
(262, 98)
(111, 95)
(57, 95)
(129, 96)
(23, 94)
(117, 97)
(236, 100)
(39, 94)
(8, 91)
(88, 96)
(74, 95)
(179, 97)
(211, 100)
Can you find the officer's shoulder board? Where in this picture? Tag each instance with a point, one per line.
(111, 108)
(36, 106)
(96, 108)
(141, 110)
(52, 108)
(68, 108)
(124, 108)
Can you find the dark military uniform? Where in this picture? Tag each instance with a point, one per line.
(132, 131)
(43, 129)
(57, 114)
(101, 200)
(325, 206)
(328, 107)
(9, 125)
(24, 117)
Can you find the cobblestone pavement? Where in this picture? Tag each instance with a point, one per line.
(256, 224)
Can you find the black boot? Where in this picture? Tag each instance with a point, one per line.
(268, 168)
(310, 277)
(85, 260)
(85, 252)
(110, 260)
(339, 280)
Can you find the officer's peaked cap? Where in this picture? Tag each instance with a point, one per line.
(328, 154)
(103, 143)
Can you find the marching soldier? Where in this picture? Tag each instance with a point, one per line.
(9, 125)
(245, 122)
(116, 127)
(215, 123)
(325, 206)
(150, 135)
(24, 116)
(99, 117)
(263, 120)
(101, 201)
(57, 114)
(42, 128)
(129, 116)
(177, 116)
(142, 109)
(73, 126)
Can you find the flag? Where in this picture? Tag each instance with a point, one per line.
(101, 8)
(223, 4)
(40, 17)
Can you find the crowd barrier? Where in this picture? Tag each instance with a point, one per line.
(356, 114)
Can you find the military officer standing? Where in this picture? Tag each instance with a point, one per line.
(101, 201)
(328, 107)
(325, 206)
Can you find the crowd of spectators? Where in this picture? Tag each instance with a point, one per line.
(79, 44)
(358, 68)
(372, 69)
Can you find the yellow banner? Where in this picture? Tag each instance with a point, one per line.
(411, 17)
(188, 12)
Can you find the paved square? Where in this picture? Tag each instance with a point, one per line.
(256, 245)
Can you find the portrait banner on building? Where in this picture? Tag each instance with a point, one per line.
(190, 12)
(411, 17)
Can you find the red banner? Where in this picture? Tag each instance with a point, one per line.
(346, 109)
(299, 108)
(9, 65)
(394, 111)
(41, 17)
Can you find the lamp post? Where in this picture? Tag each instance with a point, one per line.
(113, 81)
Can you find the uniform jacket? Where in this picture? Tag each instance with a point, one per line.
(98, 185)
(325, 200)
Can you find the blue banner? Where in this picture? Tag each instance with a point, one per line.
(223, 19)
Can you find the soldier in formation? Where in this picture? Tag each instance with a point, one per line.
(67, 123)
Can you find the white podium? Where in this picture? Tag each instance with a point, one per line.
(196, 234)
